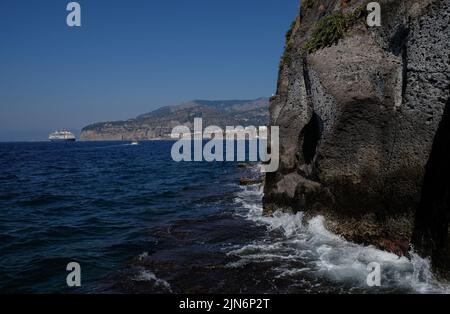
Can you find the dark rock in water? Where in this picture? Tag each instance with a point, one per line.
(431, 234)
(250, 181)
(358, 112)
(246, 166)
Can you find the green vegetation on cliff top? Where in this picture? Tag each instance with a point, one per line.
(307, 4)
(330, 29)
(327, 31)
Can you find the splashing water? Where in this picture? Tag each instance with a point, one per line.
(307, 249)
(148, 276)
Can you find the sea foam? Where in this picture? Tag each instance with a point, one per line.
(323, 254)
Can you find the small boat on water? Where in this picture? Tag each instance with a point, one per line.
(62, 136)
(134, 143)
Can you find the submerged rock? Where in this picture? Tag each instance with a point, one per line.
(358, 111)
(250, 181)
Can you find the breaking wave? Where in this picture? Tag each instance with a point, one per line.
(300, 248)
(148, 276)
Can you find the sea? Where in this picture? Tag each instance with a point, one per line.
(138, 222)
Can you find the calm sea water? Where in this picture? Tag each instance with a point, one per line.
(137, 222)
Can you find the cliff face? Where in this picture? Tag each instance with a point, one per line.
(358, 110)
(159, 123)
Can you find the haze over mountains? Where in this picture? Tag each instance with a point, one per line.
(158, 124)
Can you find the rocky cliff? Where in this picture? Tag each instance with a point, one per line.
(158, 124)
(358, 109)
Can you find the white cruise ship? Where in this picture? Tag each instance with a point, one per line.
(62, 136)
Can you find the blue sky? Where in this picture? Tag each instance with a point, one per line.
(130, 57)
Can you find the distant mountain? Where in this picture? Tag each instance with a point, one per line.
(158, 124)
